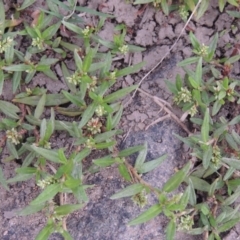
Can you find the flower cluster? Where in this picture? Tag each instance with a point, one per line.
(193, 110)
(140, 199)
(90, 143)
(124, 49)
(75, 78)
(157, 3)
(100, 111)
(183, 12)
(94, 126)
(37, 42)
(112, 75)
(92, 86)
(47, 181)
(13, 136)
(216, 156)
(186, 223)
(5, 43)
(203, 51)
(183, 96)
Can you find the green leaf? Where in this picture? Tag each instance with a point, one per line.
(30, 210)
(48, 193)
(230, 140)
(212, 47)
(78, 61)
(205, 127)
(151, 213)
(117, 117)
(106, 135)
(74, 99)
(142, 1)
(17, 68)
(150, 165)
(177, 178)
(45, 232)
(228, 225)
(236, 137)
(194, 41)
(235, 163)
(130, 70)
(233, 59)
(94, 12)
(213, 187)
(9, 109)
(188, 61)
(129, 191)
(16, 80)
(50, 155)
(124, 172)
(171, 230)
(1, 80)
(198, 75)
(88, 113)
(2, 17)
(26, 4)
(87, 61)
(67, 209)
(234, 14)
(73, 27)
(193, 82)
(40, 106)
(20, 178)
(232, 198)
(130, 150)
(51, 100)
(51, 31)
(203, 8)
(3, 181)
(207, 156)
(141, 158)
(66, 74)
(199, 184)
(119, 94)
(12, 149)
(216, 107)
(165, 7)
(81, 155)
(66, 235)
(105, 161)
(26, 170)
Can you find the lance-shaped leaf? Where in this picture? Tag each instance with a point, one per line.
(141, 158)
(88, 113)
(50, 155)
(9, 109)
(205, 127)
(130, 150)
(124, 172)
(129, 191)
(67, 208)
(130, 70)
(151, 213)
(31, 209)
(177, 178)
(104, 161)
(171, 230)
(3, 181)
(45, 232)
(150, 165)
(119, 94)
(48, 193)
(40, 106)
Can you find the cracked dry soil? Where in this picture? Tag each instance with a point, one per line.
(102, 218)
